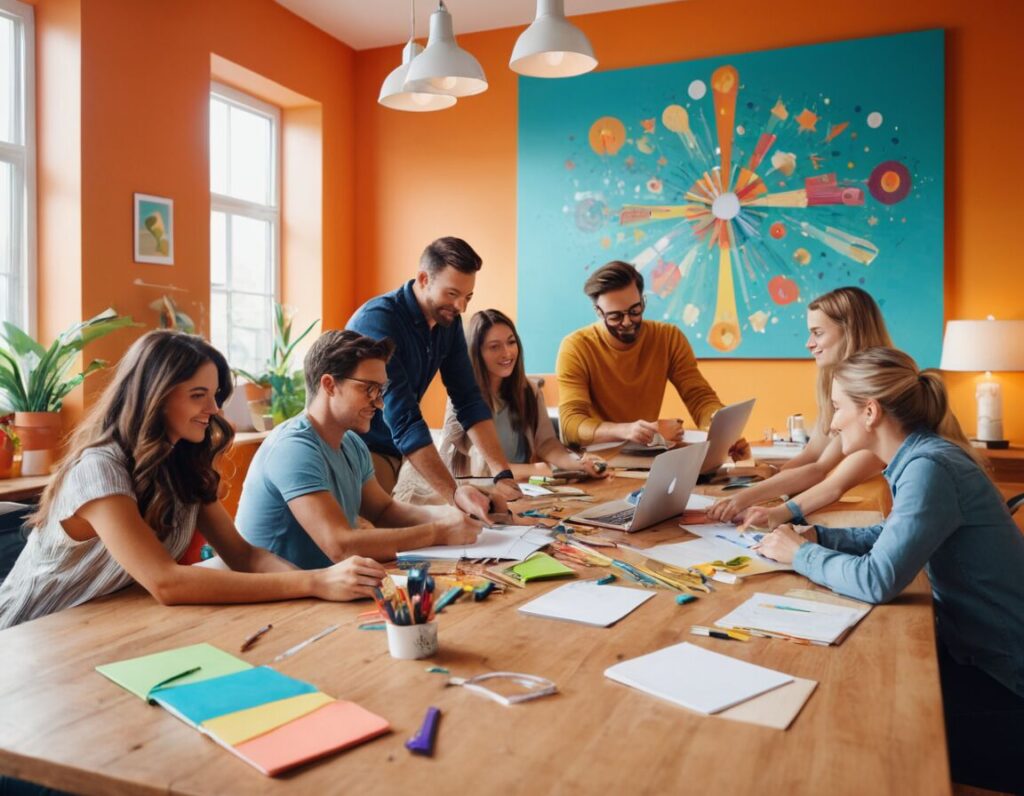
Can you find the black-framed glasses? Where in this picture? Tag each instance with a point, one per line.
(617, 317)
(375, 390)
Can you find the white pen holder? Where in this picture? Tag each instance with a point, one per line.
(409, 642)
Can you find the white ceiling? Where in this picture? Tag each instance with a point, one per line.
(364, 24)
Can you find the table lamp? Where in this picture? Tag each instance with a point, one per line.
(988, 345)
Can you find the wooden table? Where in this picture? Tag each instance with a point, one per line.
(874, 725)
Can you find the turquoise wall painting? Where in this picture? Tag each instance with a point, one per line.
(741, 187)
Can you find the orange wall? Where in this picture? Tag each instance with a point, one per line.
(420, 176)
(145, 79)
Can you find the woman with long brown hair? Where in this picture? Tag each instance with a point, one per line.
(520, 415)
(839, 323)
(138, 481)
(949, 518)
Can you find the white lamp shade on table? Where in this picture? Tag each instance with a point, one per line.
(552, 46)
(393, 93)
(444, 66)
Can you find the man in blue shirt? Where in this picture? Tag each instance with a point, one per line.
(312, 479)
(423, 319)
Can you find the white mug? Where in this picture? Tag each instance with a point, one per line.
(797, 432)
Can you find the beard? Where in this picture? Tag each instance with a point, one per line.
(436, 313)
(624, 335)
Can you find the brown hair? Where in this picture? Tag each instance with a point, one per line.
(916, 399)
(515, 389)
(339, 353)
(130, 414)
(612, 276)
(453, 252)
(857, 314)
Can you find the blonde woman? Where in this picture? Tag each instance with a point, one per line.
(949, 518)
(839, 323)
(138, 481)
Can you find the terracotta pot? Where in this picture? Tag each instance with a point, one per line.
(259, 406)
(256, 392)
(39, 433)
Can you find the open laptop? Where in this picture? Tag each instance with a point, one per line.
(726, 427)
(672, 479)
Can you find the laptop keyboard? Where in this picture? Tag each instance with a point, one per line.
(618, 518)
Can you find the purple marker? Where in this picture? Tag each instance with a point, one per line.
(422, 743)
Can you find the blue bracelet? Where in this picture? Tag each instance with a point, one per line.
(795, 513)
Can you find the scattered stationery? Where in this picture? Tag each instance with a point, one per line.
(725, 635)
(244, 725)
(715, 551)
(144, 674)
(513, 542)
(696, 678)
(587, 603)
(777, 615)
(534, 490)
(539, 566)
(303, 644)
(422, 743)
(254, 637)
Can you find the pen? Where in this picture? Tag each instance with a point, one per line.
(786, 608)
(292, 650)
(254, 637)
(728, 635)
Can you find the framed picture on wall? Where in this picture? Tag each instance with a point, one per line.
(154, 229)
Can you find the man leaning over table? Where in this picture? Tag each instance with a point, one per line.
(612, 374)
(424, 318)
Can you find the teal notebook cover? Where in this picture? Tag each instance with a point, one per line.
(219, 696)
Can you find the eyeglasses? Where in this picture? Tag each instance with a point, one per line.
(375, 390)
(615, 318)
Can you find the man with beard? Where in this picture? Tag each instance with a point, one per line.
(423, 318)
(612, 374)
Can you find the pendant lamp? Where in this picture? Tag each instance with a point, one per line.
(444, 66)
(552, 46)
(392, 91)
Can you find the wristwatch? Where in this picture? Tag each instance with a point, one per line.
(503, 475)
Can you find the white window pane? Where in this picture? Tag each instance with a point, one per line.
(10, 297)
(250, 156)
(218, 146)
(250, 312)
(218, 249)
(219, 321)
(8, 74)
(250, 254)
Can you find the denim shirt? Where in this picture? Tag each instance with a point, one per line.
(948, 517)
(420, 351)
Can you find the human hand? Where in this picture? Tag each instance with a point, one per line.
(472, 501)
(764, 517)
(671, 430)
(457, 527)
(507, 490)
(740, 450)
(781, 544)
(594, 466)
(350, 579)
(641, 431)
(728, 509)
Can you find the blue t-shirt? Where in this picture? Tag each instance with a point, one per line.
(295, 461)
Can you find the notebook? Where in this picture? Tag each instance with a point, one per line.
(512, 542)
(144, 674)
(696, 678)
(587, 603)
(244, 725)
(539, 566)
(777, 614)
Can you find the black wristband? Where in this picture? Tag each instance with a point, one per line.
(503, 475)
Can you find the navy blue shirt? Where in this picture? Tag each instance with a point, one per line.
(420, 352)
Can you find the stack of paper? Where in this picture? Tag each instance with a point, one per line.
(588, 603)
(272, 721)
(717, 543)
(511, 542)
(789, 617)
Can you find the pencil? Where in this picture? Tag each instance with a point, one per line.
(253, 638)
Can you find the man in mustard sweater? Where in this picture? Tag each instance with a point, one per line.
(612, 374)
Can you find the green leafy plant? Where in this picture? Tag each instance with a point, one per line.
(287, 389)
(36, 379)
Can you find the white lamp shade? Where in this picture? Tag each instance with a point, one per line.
(393, 94)
(983, 345)
(444, 66)
(552, 46)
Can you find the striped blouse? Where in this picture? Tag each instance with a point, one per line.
(54, 571)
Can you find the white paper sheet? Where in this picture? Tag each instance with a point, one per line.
(509, 542)
(698, 502)
(533, 490)
(819, 622)
(742, 544)
(705, 550)
(588, 603)
(696, 678)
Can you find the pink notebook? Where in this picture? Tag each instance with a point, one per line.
(331, 728)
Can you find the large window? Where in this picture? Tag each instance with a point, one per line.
(244, 225)
(17, 165)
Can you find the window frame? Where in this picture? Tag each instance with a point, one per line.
(231, 205)
(22, 157)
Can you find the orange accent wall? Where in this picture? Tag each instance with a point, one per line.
(420, 176)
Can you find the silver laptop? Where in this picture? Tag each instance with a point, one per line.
(726, 427)
(672, 479)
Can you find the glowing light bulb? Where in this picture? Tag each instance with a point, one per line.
(554, 58)
(444, 83)
(421, 99)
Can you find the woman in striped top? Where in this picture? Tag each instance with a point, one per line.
(138, 481)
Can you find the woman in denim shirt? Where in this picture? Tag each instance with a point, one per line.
(949, 518)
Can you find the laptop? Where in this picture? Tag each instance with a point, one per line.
(726, 427)
(672, 479)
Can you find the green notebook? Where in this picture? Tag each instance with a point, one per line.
(540, 566)
(142, 675)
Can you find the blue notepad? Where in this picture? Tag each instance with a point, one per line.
(219, 696)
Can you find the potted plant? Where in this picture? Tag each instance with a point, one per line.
(8, 445)
(275, 391)
(34, 381)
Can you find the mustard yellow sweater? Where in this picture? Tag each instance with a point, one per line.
(597, 382)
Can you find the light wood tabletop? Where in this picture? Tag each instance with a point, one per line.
(874, 724)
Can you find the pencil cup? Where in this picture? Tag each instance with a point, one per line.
(409, 642)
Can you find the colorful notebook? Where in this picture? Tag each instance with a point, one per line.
(539, 566)
(235, 728)
(142, 675)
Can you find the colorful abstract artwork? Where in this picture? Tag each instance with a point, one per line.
(741, 187)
